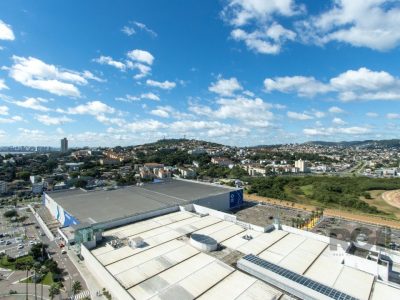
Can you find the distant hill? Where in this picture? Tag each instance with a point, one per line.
(188, 142)
(363, 144)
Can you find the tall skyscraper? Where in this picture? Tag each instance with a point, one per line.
(64, 145)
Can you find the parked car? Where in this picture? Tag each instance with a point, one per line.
(63, 251)
(8, 242)
(20, 246)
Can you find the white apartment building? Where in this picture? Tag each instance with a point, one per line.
(3, 187)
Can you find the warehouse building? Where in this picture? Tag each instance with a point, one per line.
(75, 206)
(163, 258)
(84, 214)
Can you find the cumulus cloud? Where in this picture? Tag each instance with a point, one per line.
(298, 116)
(141, 56)
(252, 112)
(6, 32)
(108, 60)
(225, 87)
(338, 121)
(33, 103)
(335, 110)
(3, 110)
(303, 86)
(49, 120)
(372, 24)
(3, 85)
(160, 113)
(34, 73)
(165, 85)
(10, 120)
(361, 84)
(137, 59)
(131, 98)
(90, 108)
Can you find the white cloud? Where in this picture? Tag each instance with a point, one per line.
(145, 125)
(107, 60)
(252, 112)
(393, 116)
(360, 23)
(110, 121)
(298, 116)
(336, 110)
(3, 85)
(266, 41)
(372, 115)
(90, 108)
(145, 28)
(11, 120)
(34, 73)
(33, 103)
(6, 32)
(160, 113)
(355, 130)
(225, 87)
(303, 86)
(131, 98)
(141, 56)
(241, 12)
(165, 85)
(268, 35)
(144, 70)
(338, 121)
(150, 96)
(49, 120)
(361, 84)
(128, 30)
(3, 110)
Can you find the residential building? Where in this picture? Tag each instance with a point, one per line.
(64, 145)
(37, 188)
(187, 172)
(301, 165)
(3, 187)
(35, 179)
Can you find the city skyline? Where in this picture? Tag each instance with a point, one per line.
(234, 72)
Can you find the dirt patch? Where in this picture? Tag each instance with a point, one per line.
(392, 198)
(365, 218)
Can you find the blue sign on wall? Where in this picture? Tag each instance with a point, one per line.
(235, 198)
(69, 220)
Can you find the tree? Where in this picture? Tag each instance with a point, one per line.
(54, 290)
(24, 175)
(80, 183)
(11, 213)
(38, 251)
(76, 287)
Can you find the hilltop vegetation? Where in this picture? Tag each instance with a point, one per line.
(332, 192)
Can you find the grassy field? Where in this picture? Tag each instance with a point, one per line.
(47, 279)
(376, 200)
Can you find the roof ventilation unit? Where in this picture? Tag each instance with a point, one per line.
(203, 242)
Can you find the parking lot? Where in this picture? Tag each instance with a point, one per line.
(16, 238)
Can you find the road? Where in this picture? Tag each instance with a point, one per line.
(33, 233)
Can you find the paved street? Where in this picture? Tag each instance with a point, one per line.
(32, 230)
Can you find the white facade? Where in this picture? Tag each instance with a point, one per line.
(301, 165)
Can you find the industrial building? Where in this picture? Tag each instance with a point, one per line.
(83, 214)
(158, 259)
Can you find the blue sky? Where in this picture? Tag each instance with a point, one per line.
(239, 72)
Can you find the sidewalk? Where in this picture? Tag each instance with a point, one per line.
(91, 283)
